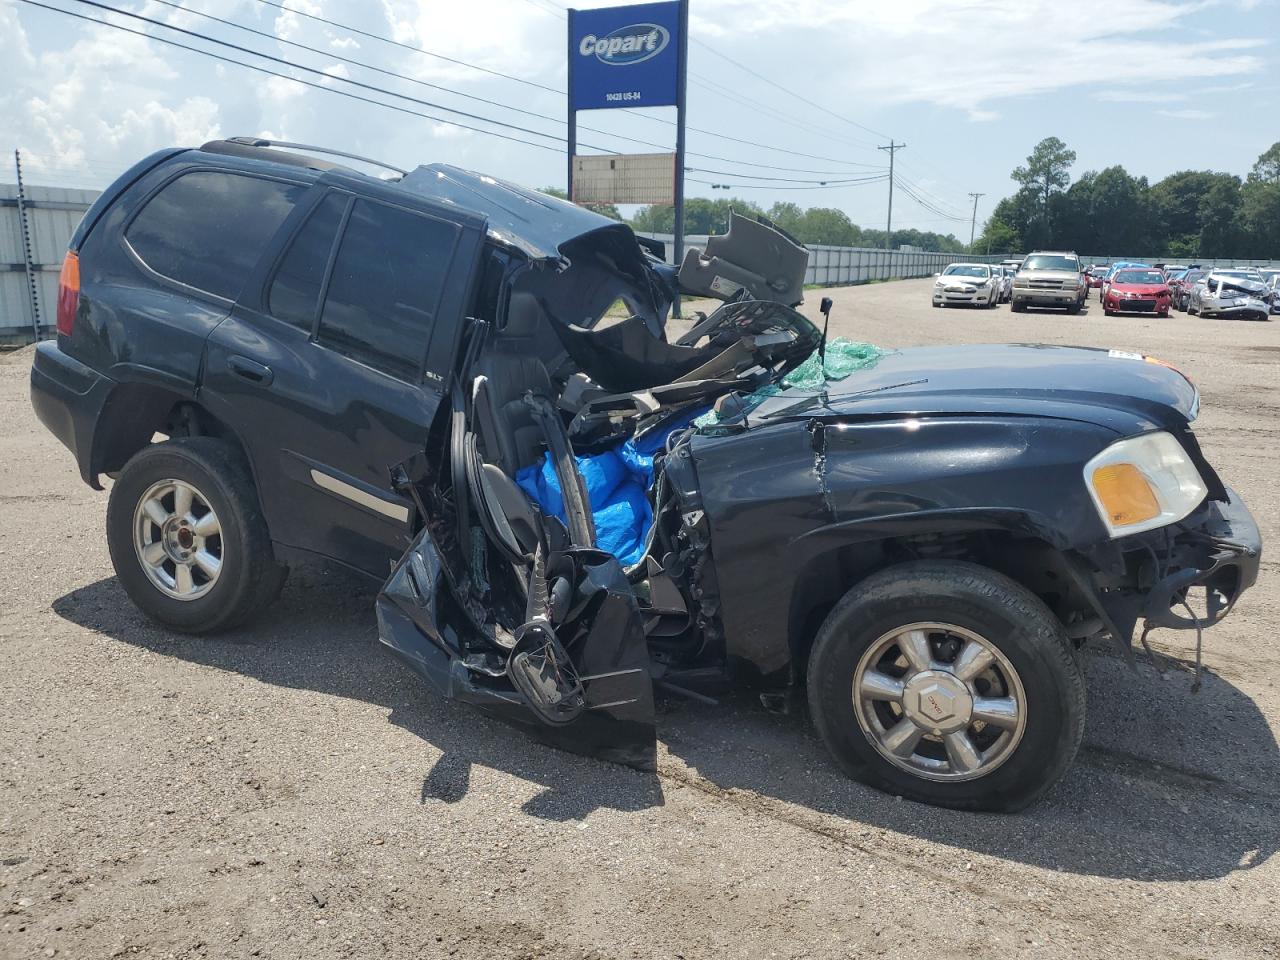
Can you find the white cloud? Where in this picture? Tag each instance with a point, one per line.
(1138, 96)
(1019, 48)
(1187, 114)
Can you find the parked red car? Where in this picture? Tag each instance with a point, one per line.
(1137, 290)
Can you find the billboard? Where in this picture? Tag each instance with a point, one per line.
(630, 178)
(624, 56)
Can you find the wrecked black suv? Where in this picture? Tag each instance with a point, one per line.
(466, 390)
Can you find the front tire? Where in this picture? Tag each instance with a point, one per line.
(188, 539)
(947, 683)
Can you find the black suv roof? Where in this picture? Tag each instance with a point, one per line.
(536, 223)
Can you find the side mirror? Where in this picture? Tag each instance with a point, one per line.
(937, 274)
(825, 306)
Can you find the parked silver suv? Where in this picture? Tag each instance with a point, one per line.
(1049, 279)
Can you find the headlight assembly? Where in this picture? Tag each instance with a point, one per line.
(1145, 482)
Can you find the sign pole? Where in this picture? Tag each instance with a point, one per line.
(573, 114)
(682, 68)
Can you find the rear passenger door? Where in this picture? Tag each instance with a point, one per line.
(165, 264)
(334, 363)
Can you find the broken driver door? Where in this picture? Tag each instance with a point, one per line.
(510, 609)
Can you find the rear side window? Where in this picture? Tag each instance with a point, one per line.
(295, 291)
(385, 287)
(207, 229)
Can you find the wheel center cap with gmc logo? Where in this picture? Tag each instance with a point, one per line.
(938, 701)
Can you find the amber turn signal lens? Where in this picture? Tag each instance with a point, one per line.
(1125, 494)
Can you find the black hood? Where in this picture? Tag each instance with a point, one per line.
(1121, 390)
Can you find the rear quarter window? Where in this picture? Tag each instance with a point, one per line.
(206, 229)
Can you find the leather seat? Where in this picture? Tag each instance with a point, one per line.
(509, 435)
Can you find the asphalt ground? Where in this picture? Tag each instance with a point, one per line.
(289, 790)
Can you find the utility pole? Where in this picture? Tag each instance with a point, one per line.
(974, 222)
(24, 228)
(888, 226)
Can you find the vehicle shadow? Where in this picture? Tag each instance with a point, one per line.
(321, 636)
(1168, 785)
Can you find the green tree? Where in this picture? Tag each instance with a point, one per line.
(1046, 171)
(1221, 231)
(1260, 205)
(1121, 212)
(1175, 202)
(789, 216)
(828, 225)
(997, 237)
(1267, 168)
(605, 209)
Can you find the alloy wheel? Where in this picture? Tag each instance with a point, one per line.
(939, 701)
(178, 539)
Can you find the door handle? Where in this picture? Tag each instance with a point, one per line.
(250, 370)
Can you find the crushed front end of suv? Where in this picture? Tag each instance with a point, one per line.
(473, 385)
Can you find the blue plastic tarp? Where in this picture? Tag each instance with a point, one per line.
(618, 482)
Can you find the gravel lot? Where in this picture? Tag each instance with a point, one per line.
(291, 791)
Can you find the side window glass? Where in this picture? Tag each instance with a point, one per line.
(207, 229)
(295, 291)
(386, 283)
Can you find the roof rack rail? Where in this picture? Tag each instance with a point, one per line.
(260, 142)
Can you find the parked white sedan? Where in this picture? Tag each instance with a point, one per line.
(968, 283)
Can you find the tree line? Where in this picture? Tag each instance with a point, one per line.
(1188, 215)
(808, 225)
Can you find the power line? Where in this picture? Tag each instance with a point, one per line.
(328, 76)
(926, 204)
(947, 207)
(773, 113)
(792, 93)
(285, 76)
(397, 43)
(758, 75)
(750, 176)
(717, 185)
(369, 66)
(709, 133)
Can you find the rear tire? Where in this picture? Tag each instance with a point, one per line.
(954, 606)
(146, 523)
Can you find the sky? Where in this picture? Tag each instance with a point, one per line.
(813, 87)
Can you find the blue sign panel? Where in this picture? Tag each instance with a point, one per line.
(624, 56)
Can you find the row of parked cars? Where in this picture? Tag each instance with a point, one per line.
(1238, 293)
(1056, 279)
(1043, 279)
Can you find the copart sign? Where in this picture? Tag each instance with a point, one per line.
(624, 56)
